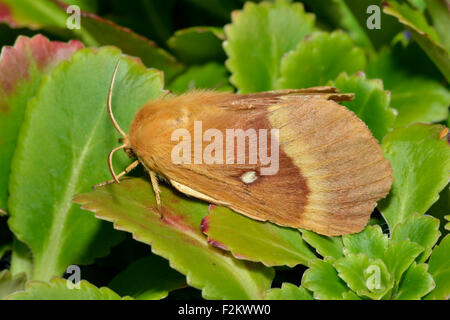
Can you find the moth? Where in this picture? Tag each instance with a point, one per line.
(330, 170)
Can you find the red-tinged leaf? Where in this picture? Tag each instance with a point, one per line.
(106, 32)
(254, 240)
(21, 70)
(63, 142)
(6, 16)
(177, 237)
(94, 31)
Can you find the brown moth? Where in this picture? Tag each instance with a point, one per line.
(330, 169)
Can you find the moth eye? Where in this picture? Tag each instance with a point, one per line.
(249, 177)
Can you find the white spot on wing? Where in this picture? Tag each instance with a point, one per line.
(249, 177)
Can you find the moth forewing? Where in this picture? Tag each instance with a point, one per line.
(330, 169)
(320, 168)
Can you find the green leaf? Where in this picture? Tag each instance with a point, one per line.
(415, 97)
(371, 241)
(21, 70)
(61, 151)
(198, 45)
(421, 163)
(319, 59)
(423, 230)
(4, 248)
(336, 15)
(419, 99)
(389, 26)
(416, 283)
(367, 277)
(93, 31)
(371, 103)
(419, 4)
(149, 278)
(32, 14)
(325, 246)
(439, 268)
(257, 39)
(399, 256)
(86, 5)
(21, 259)
(323, 280)
(422, 32)
(208, 76)
(254, 240)
(440, 15)
(288, 291)
(104, 33)
(59, 289)
(178, 238)
(10, 284)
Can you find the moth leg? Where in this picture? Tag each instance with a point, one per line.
(155, 186)
(124, 172)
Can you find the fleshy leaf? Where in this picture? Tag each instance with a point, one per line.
(149, 278)
(423, 230)
(416, 98)
(257, 39)
(420, 157)
(422, 32)
(93, 31)
(104, 33)
(198, 45)
(32, 14)
(21, 259)
(254, 240)
(21, 70)
(319, 59)
(10, 284)
(415, 284)
(323, 280)
(389, 25)
(69, 116)
(439, 268)
(59, 289)
(440, 15)
(288, 291)
(335, 14)
(178, 238)
(371, 103)
(399, 256)
(371, 241)
(367, 277)
(325, 246)
(208, 76)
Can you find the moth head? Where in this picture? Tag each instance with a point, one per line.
(125, 143)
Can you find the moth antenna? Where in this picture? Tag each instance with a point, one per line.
(110, 165)
(110, 113)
